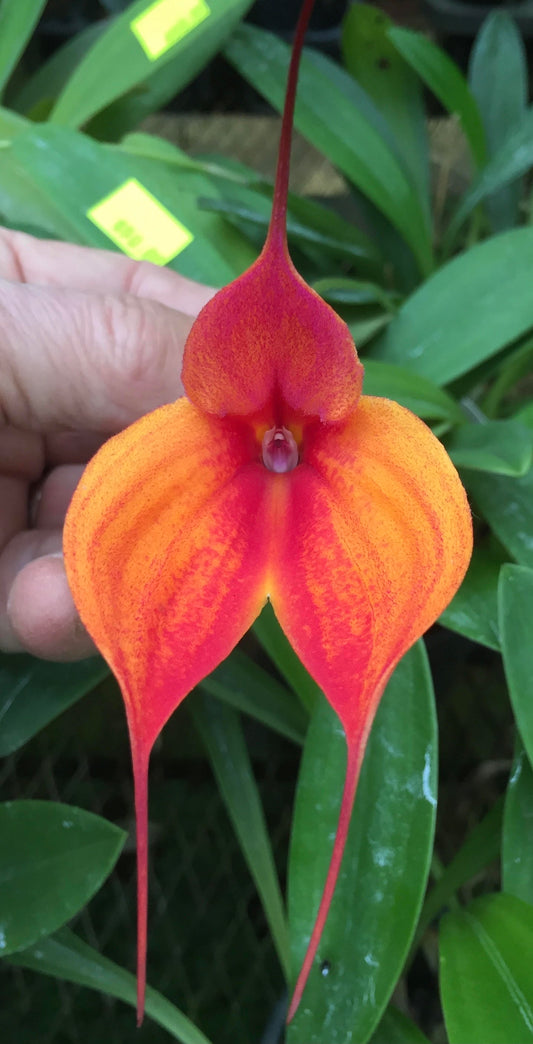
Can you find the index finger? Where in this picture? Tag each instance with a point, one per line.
(47, 262)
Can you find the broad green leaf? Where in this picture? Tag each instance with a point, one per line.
(397, 1028)
(53, 858)
(268, 632)
(33, 692)
(415, 393)
(387, 78)
(341, 291)
(73, 173)
(507, 505)
(517, 835)
(221, 731)
(10, 125)
(337, 116)
(65, 956)
(470, 309)
(486, 977)
(247, 687)
(501, 100)
(446, 81)
(18, 19)
(365, 323)
(384, 871)
(503, 447)
(473, 611)
(198, 30)
(515, 602)
(481, 847)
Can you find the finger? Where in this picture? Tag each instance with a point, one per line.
(74, 360)
(55, 495)
(71, 447)
(18, 552)
(48, 263)
(21, 454)
(42, 614)
(13, 508)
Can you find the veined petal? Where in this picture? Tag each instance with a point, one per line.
(268, 339)
(376, 539)
(163, 550)
(166, 555)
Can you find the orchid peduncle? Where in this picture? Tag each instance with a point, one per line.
(273, 479)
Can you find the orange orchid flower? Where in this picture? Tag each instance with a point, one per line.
(273, 479)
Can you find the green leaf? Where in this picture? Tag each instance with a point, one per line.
(33, 693)
(342, 291)
(73, 173)
(517, 835)
(485, 976)
(244, 685)
(470, 309)
(509, 162)
(268, 632)
(18, 19)
(221, 731)
(446, 81)
(481, 847)
(43, 87)
(382, 72)
(384, 871)
(53, 859)
(501, 100)
(515, 600)
(503, 447)
(473, 611)
(339, 118)
(396, 1028)
(120, 53)
(409, 389)
(507, 505)
(65, 956)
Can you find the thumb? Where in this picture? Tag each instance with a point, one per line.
(85, 360)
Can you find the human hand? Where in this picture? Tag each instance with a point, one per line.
(89, 341)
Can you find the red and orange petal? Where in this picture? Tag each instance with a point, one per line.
(284, 349)
(376, 540)
(165, 549)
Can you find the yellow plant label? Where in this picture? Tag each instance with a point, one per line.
(166, 22)
(139, 224)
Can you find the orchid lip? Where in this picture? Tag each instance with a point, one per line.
(279, 450)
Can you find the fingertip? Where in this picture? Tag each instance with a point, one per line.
(42, 614)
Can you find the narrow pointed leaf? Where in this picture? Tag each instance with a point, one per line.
(33, 692)
(17, 21)
(486, 984)
(446, 81)
(39, 840)
(243, 684)
(356, 141)
(221, 731)
(397, 1028)
(416, 393)
(501, 100)
(473, 611)
(198, 30)
(502, 447)
(516, 616)
(268, 631)
(370, 927)
(44, 85)
(442, 332)
(517, 835)
(507, 505)
(67, 957)
(396, 90)
(482, 846)
(339, 291)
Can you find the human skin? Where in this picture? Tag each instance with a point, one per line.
(90, 340)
